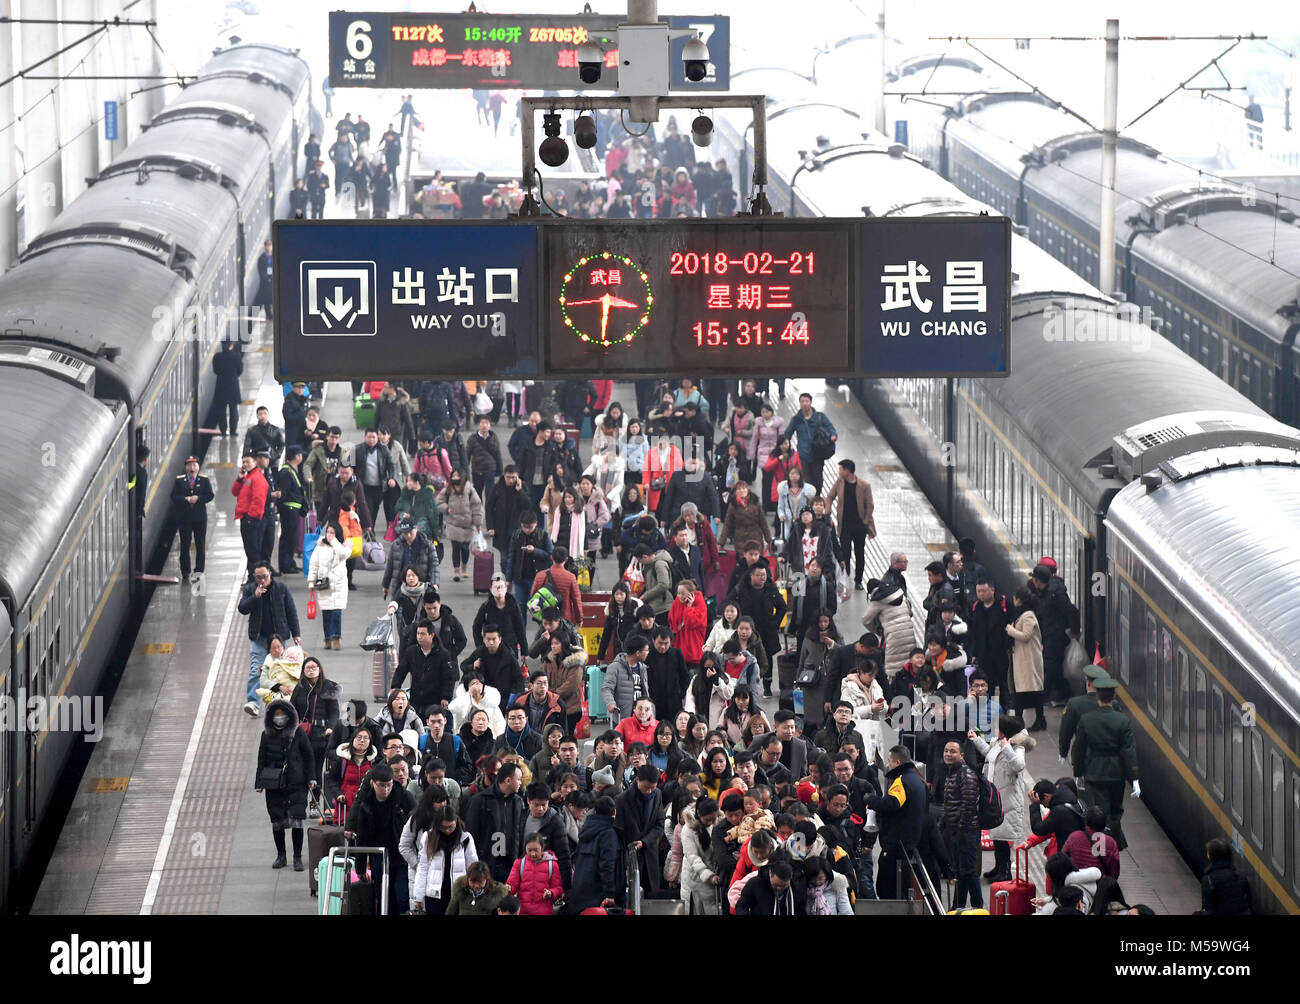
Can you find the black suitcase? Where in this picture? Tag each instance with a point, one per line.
(319, 841)
(787, 668)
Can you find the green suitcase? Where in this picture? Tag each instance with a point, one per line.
(363, 410)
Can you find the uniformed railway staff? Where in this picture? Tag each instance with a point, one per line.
(191, 493)
(1105, 756)
(1077, 707)
(292, 506)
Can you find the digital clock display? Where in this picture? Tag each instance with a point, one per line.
(735, 297)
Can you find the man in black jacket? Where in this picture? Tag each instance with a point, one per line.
(987, 644)
(495, 818)
(961, 825)
(433, 676)
(228, 365)
(270, 611)
(504, 507)
(669, 676)
(191, 493)
(381, 811)
(484, 454)
(844, 662)
(771, 893)
(498, 665)
(688, 561)
(1058, 618)
(450, 442)
(544, 819)
(691, 484)
(262, 435)
(528, 553)
(292, 504)
(901, 811)
(725, 852)
(640, 816)
(373, 465)
(759, 599)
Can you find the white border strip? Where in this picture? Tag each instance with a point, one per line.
(191, 751)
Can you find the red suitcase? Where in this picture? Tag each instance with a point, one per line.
(1014, 897)
(483, 565)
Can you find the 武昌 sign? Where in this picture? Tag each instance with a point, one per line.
(415, 299)
(463, 50)
(934, 296)
(742, 296)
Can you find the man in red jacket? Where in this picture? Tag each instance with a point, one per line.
(251, 489)
(688, 618)
(566, 586)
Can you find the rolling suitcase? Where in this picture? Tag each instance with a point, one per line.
(331, 877)
(1013, 897)
(319, 841)
(595, 702)
(483, 567)
(787, 669)
(363, 411)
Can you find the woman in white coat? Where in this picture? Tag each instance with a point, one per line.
(869, 705)
(709, 691)
(698, 879)
(438, 850)
(887, 603)
(1004, 766)
(473, 694)
(327, 575)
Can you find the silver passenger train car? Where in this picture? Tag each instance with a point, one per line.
(108, 325)
(1094, 450)
(1214, 260)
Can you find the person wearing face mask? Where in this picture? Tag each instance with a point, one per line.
(285, 769)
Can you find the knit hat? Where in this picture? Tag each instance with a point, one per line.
(603, 776)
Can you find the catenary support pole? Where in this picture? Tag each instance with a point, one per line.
(1109, 144)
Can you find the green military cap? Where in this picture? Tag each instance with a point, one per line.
(1095, 673)
(1106, 683)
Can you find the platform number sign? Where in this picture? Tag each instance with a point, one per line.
(358, 50)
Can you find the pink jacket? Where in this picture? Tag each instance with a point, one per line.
(529, 881)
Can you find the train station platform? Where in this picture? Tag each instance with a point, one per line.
(166, 819)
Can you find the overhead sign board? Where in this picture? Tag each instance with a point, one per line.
(555, 297)
(406, 299)
(934, 296)
(536, 52)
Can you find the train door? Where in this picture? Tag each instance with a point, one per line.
(31, 676)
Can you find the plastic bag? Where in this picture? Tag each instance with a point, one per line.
(482, 403)
(378, 635)
(842, 591)
(1076, 657)
(478, 542)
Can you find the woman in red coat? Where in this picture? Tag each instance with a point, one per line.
(688, 618)
(535, 879)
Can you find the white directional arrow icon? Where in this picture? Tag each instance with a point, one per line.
(336, 295)
(338, 307)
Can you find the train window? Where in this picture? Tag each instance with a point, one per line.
(1122, 652)
(1151, 670)
(1181, 699)
(1257, 784)
(1295, 837)
(1277, 811)
(1199, 719)
(1236, 764)
(1166, 683)
(1216, 737)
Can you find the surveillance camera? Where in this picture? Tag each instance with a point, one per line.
(553, 151)
(590, 60)
(695, 57)
(702, 130)
(584, 131)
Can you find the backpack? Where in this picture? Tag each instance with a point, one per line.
(822, 447)
(547, 595)
(990, 807)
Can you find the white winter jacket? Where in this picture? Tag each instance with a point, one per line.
(428, 871)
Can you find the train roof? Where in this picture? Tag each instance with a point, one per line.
(1072, 395)
(1243, 261)
(185, 212)
(276, 65)
(229, 154)
(98, 302)
(37, 508)
(1228, 542)
(239, 103)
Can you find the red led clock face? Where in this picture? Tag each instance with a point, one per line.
(693, 297)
